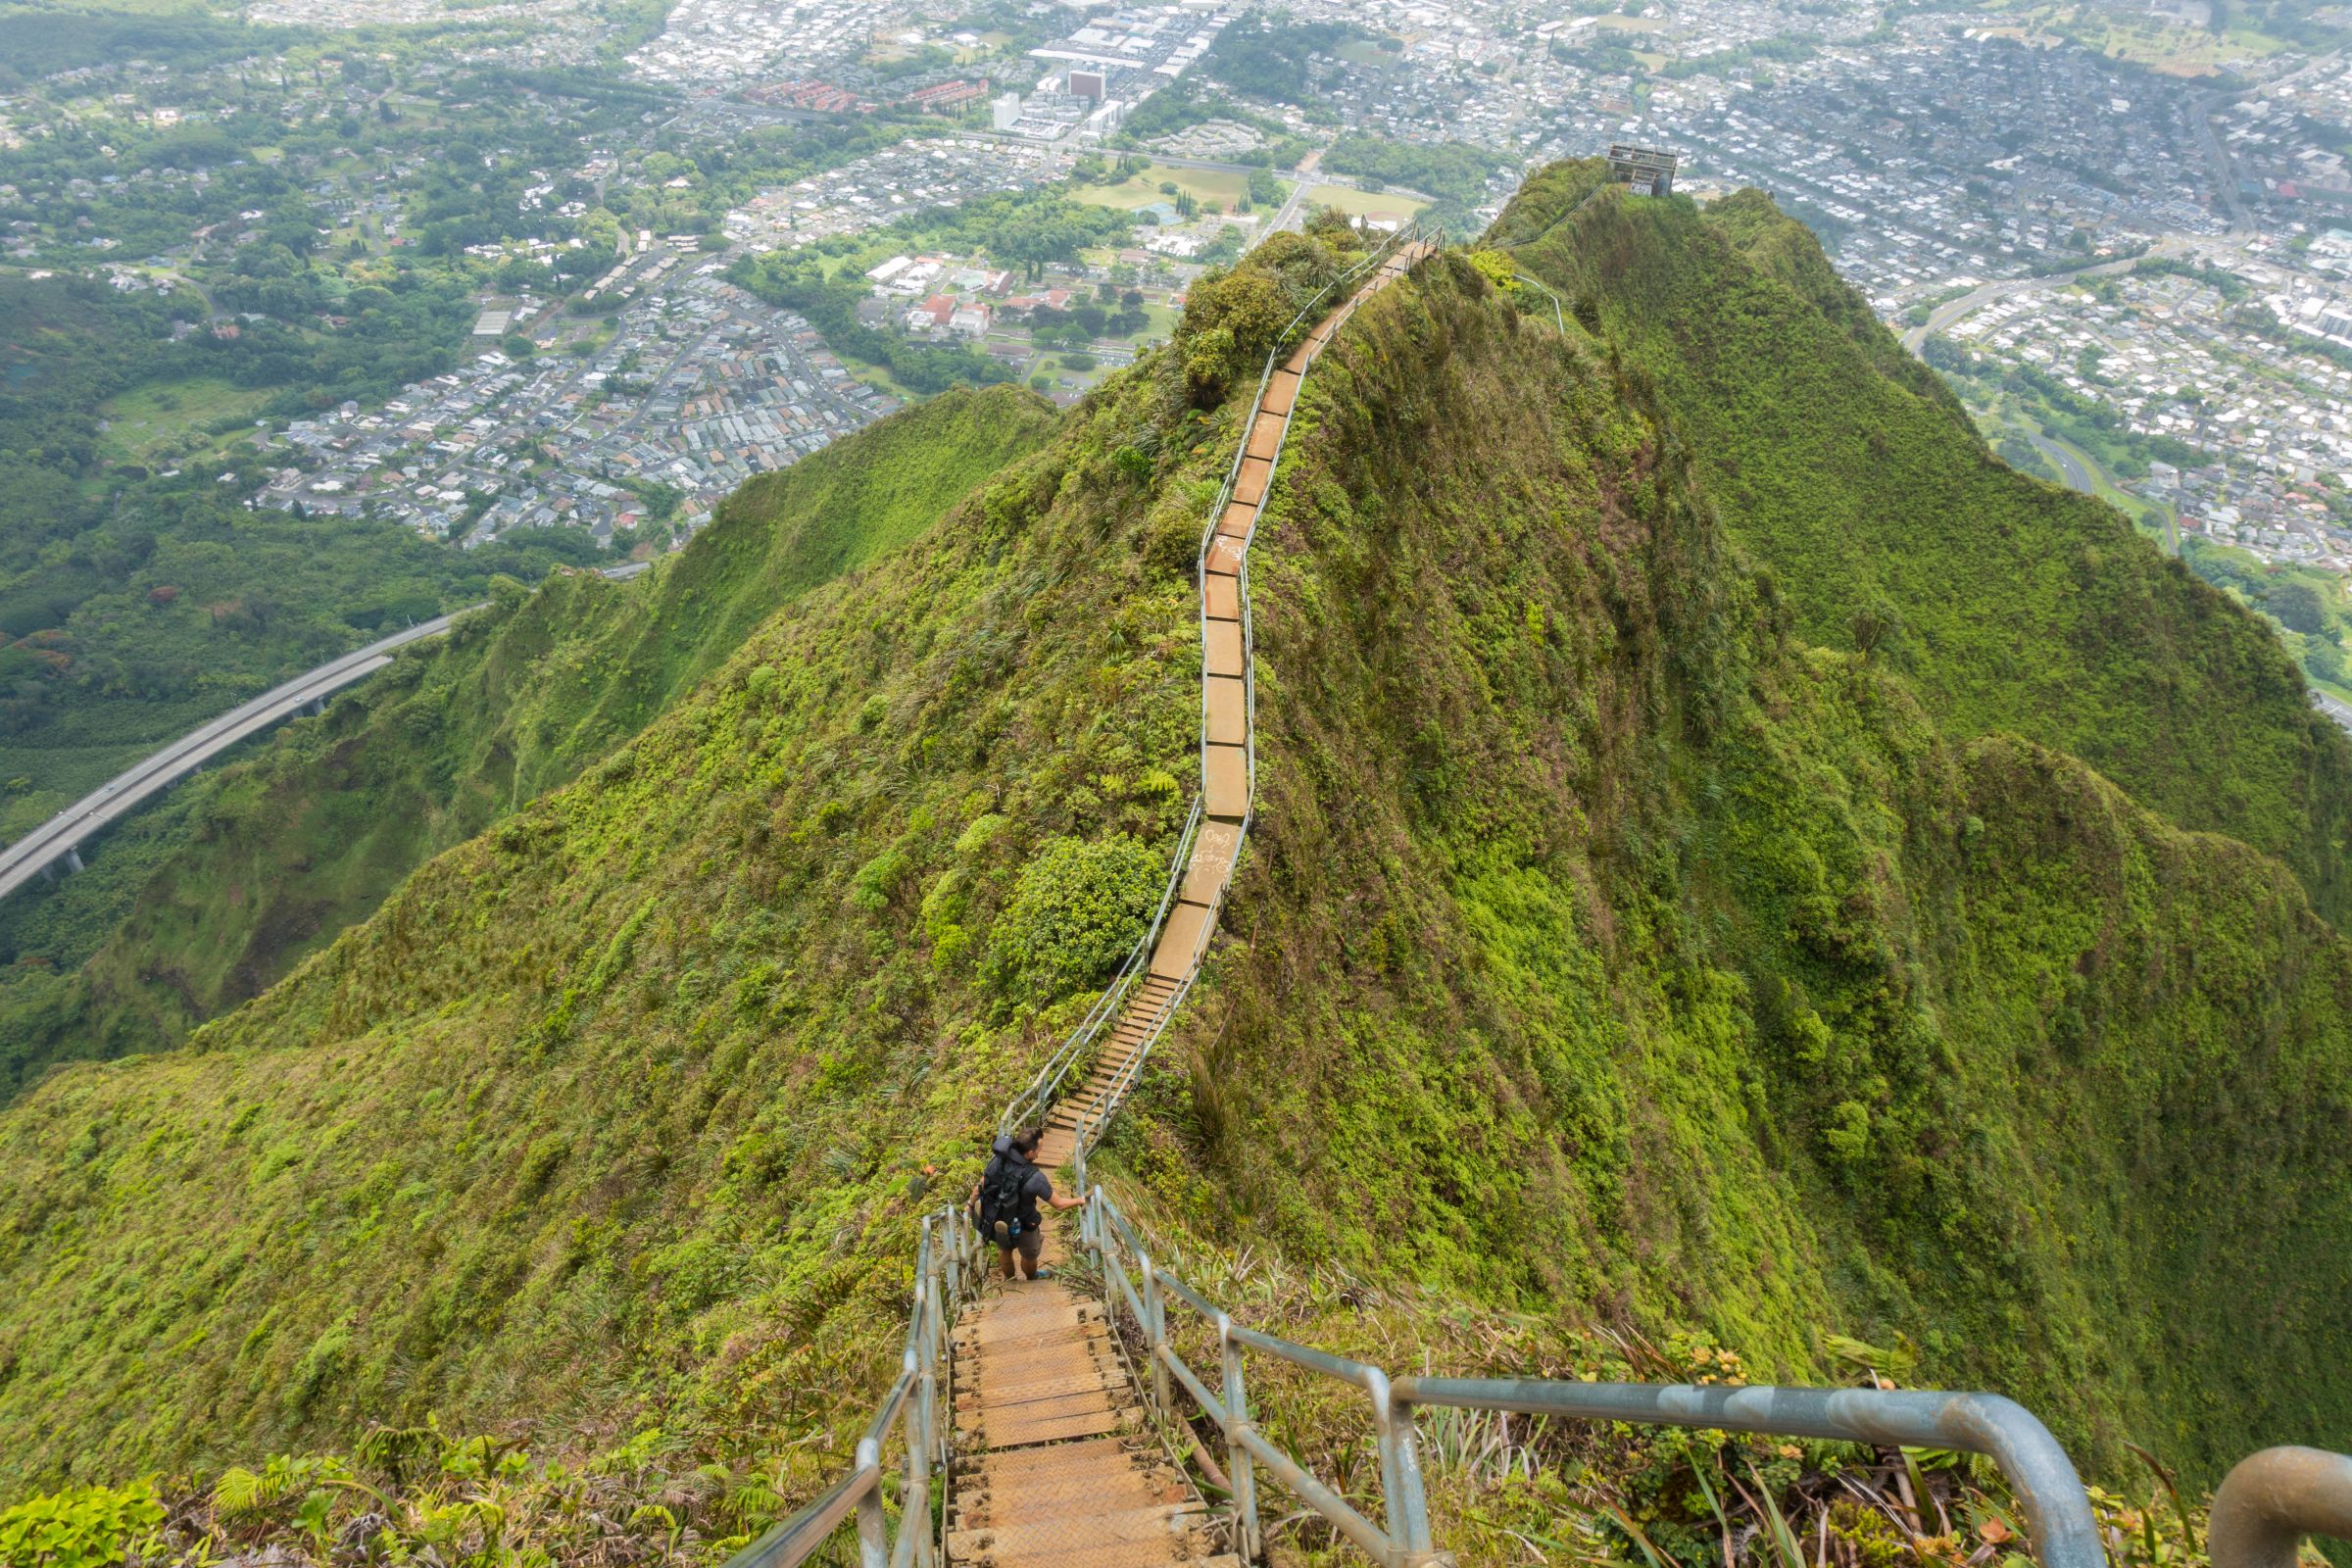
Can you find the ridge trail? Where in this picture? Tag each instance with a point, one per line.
(1053, 1466)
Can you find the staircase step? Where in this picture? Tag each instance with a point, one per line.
(1054, 1428)
(1072, 1533)
(1049, 1492)
(1032, 1462)
(1049, 1385)
(1054, 1471)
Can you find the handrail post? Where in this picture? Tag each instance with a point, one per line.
(1237, 1458)
(1408, 1504)
(934, 1326)
(914, 1509)
(1155, 1332)
(873, 1527)
(954, 1258)
(2268, 1501)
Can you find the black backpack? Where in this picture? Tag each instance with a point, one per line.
(1000, 1195)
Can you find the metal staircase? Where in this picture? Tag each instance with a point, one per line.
(1050, 1449)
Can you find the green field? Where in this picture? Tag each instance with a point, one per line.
(148, 420)
(1142, 190)
(1365, 203)
(2173, 51)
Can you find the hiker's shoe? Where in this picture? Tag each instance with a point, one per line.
(1042, 1274)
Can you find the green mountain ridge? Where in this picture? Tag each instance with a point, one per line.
(1636, 937)
(223, 894)
(2008, 604)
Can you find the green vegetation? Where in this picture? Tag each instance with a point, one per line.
(1639, 953)
(136, 599)
(1022, 230)
(2085, 422)
(1359, 204)
(1454, 172)
(756, 878)
(255, 866)
(1142, 187)
(38, 42)
(1272, 59)
(148, 423)
(2007, 605)
(2306, 606)
(1190, 101)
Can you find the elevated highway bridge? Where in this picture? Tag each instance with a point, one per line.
(55, 847)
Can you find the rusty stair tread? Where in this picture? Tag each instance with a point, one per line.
(1106, 1490)
(995, 1331)
(1052, 1383)
(1019, 1337)
(1180, 939)
(1249, 482)
(1077, 1531)
(1026, 1461)
(1092, 1399)
(1221, 651)
(1223, 598)
(1225, 697)
(1051, 1429)
(1211, 864)
(1226, 775)
(1163, 1552)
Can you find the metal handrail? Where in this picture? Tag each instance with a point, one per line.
(2270, 1501)
(1032, 1104)
(1089, 1129)
(1029, 1104)
(2275, 1497)
(945, 1273)
(2282, 1498)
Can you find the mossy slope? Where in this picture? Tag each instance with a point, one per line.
(1605, 952)
(1844, 465)
(1605, 947)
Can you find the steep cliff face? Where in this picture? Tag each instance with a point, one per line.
(279, 854)
(1606, 954)
(1842, 465)
(1606, 945)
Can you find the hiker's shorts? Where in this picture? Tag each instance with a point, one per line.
(1029, 1244)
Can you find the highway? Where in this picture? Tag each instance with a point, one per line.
(58, 841)
(2069, 466)
(1950, 310)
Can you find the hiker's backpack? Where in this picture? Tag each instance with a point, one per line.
(1001, 1194)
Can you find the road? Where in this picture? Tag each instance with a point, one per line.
(2334, 708)
(1950, 310)
(1288, 213)
(59, 839)
(2224, 175)
(2070, 468)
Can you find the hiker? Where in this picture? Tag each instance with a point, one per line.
(1005, 1202)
